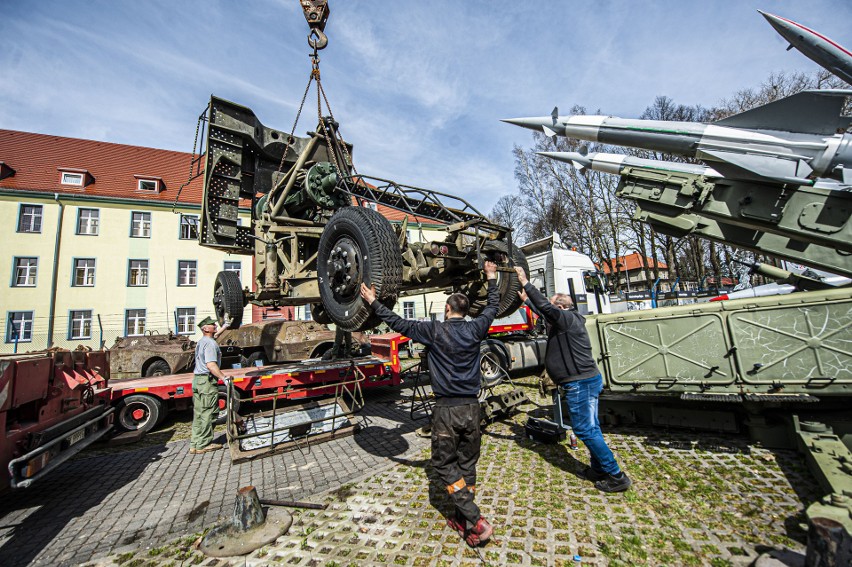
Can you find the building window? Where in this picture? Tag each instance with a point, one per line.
(81, 325)
(134, 322)
(187, 272)
(19, 328)
(87, 221)
(408, 309)
(137, 274)
(236, 267)
(188, 227)
(185, 320)
(84, 272)
(71, 178)
(151, 185)
(140, 225)
(29, 218)
(26, 271)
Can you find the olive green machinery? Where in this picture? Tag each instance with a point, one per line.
(779, 366)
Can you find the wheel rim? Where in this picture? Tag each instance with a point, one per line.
(134, 415)
(344, 269)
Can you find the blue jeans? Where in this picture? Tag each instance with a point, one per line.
(582, 400)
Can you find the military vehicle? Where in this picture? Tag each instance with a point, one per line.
(152, 354)
(777, 181)
(316, 233)
(270, 341)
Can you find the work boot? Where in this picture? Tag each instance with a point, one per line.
(192, 450)
(480, 533)
(592, 475)
(616, 483)
(209, 448)
(457, 523)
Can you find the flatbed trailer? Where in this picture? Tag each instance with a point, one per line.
(142, 403)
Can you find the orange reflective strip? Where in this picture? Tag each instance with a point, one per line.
(456, 486)
(140, 389)
(472, 488)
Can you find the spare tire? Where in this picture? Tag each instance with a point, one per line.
(357, 245)
(507, 284)
(228, 299)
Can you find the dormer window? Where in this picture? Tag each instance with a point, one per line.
(149, 183)
(72, 178)
(75, 177)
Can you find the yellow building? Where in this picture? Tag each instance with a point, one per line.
(100, 242)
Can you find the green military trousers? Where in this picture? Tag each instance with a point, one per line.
(205, 395)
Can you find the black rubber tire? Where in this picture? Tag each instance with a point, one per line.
(149, 412)
(158, 368)
(365, 236)
(254, 357)
(228, 299)
(508, 284)
(492, 364)
(319, 314)
(222, 416)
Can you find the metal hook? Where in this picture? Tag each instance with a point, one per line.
(317, 39)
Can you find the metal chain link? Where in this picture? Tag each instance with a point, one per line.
(314, 74)
(191, 162)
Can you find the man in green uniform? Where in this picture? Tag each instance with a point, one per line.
(205, 393)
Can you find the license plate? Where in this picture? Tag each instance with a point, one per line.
(76, 437)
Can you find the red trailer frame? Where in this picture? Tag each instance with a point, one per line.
(142, 403)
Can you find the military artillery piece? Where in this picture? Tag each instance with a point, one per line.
(314, 241)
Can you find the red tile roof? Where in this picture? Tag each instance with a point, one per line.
(632, 262)
(38, 158)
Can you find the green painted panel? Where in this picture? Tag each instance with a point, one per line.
(680, 351)
(795, 343)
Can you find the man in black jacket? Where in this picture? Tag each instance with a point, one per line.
(456, 379)
(571, 366)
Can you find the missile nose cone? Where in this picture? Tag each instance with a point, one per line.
(531, 123)
(576, 159)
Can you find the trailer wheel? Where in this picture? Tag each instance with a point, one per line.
(507, 284)
(357, 245)
(222, 402)
(139, 412)
(158, 368)
(228, 299)
(492, 365)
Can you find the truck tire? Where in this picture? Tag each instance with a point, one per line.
(492, 364)
(158, 368)
(319, 314)
(138, 412)
(254, 357)
(228, 300)
(357, 245)
(507, 284)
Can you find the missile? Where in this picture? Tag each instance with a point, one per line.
(796, 139)
(813, 45)
(615, 163)
(757, 291)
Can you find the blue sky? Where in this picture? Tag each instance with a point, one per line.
(418, 86)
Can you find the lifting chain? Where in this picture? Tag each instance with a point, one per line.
(195, 160)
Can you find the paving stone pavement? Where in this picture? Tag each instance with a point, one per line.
(698, 499)
(91, 506)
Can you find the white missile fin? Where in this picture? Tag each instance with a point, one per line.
(735, 165)
(807, 112)
(547, 131)
(579, 165)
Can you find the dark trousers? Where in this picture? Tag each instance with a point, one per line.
(455, 452)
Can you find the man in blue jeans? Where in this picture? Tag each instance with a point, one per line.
(571, 366)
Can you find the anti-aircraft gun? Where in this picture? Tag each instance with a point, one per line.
(776, 180)
(315, 231)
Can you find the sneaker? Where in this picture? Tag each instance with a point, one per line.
(614, 483)
(480, 533)
(209, 448)
(593, 475)
(457, 524)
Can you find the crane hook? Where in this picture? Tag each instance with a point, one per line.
(316, 14)
(317, 39)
